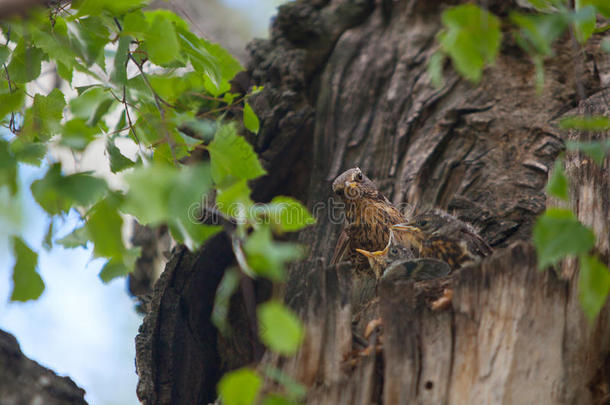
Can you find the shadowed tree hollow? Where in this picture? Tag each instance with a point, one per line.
(346, 84)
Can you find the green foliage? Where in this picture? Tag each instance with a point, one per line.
(557, 234)
(27, 284)
(240, 387)
(279, 328)
(57, 193)
(593, 285)
(233, 158)
(268, 257)
(596, 150)
(558, 183)
(286, 214)
(250, 119)
(471, 38)
(597, 123)
(89, 38)
(228, 286)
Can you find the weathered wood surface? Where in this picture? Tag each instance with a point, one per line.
(345, 84)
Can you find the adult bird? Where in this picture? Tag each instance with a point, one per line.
(398, 262)
(368, 218)
(442, 236)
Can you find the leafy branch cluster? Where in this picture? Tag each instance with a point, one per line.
(471, 38)
(140, 77)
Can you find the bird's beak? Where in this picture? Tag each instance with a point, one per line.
(349, 185)
(405, 227)
(372, 255)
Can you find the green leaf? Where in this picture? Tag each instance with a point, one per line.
(235, 201)
(471, 38)
(294, 389)
(268, 257)
(240, 387)
(227, 287)
(593, 285)
(558, 183)
(201, 59)
(227, 67)
(118, 162)
(57, 193)
(11, 101)
(250, 119)
(603, 6)
(28, 152)
(435, 69)
(76, 134)
(135, 24)
(25, 63)
(149, 189)
(77, 238)
(104, 228)
(161, 41)
(538, 32)
(584, 123)
(584, 21)
(4, 54)
(186, 200)
(88, 101)
(27, 284)
(279, 328)
(232, 157)
(274, 399)
(119, 74)
(42, 119)
(95, 36)
(596, 150)
(558, 234)
(119, 267)
(286, 213)
(47, 242)
(162, 194)
(95, 7)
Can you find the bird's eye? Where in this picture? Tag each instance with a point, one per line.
(423, 222)
(394, 251)
(359, 176)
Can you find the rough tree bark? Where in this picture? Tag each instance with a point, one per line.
(345, 84)
(25, 382)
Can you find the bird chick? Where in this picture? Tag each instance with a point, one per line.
(442, 236)
(396, 262)
(379, 260)
(421, 269)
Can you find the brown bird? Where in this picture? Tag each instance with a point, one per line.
(442, 236)
(368, 218)
(397, 262)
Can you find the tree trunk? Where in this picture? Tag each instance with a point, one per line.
(345, 85)
(25, 382)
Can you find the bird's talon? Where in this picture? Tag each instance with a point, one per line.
(444, 301)
(371, 327)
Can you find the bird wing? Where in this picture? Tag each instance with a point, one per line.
(475, 243)
(341, 248)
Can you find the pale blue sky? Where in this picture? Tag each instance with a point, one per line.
(81, 327)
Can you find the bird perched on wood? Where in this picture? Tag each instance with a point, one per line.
(442, 236)
(368, 218)
(396, 261)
